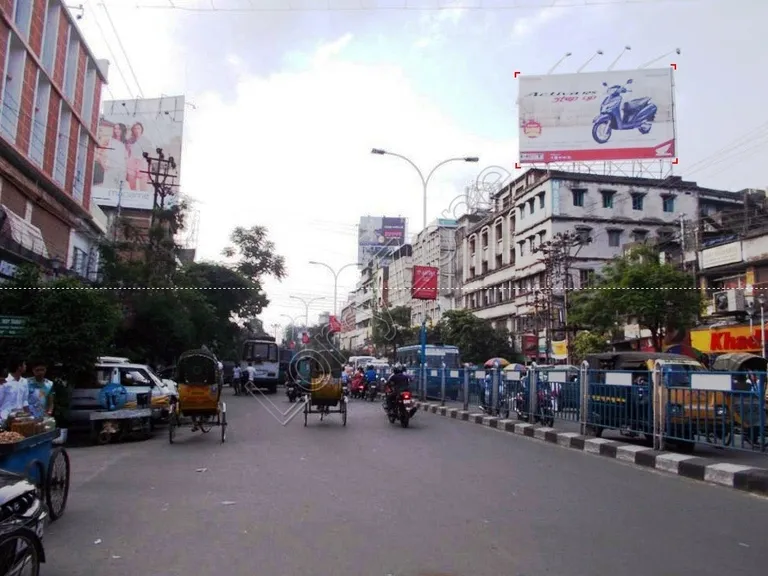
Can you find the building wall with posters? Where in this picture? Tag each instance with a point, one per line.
(400, 277)
(502, 277)
(435, 246)
(51, 89)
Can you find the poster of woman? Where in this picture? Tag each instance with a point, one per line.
(127, 130)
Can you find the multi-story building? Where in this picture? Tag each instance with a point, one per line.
(503, 274)
(348, 326)
(51, 90)
(400, 276)
(435, 246)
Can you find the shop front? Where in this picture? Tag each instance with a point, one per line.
(728, 339)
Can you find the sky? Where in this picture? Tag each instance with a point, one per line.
(287, 98)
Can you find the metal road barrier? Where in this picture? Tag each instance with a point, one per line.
(669, 406)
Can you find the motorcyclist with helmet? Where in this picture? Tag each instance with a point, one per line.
(398, 382)
(370, 378)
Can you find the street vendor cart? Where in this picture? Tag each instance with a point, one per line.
(115, 422)
(46, 466)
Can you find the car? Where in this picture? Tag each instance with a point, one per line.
(137, 379)
(23, 518)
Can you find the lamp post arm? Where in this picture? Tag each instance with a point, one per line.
(443, 163)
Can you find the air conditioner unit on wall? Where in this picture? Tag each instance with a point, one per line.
(729, 301)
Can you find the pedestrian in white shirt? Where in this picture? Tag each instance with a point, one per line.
(14, 392)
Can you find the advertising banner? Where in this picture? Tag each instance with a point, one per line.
(379, 236)
(127, 129)
(334, 325)
(728, 339)
(424, 285)
(597, 116)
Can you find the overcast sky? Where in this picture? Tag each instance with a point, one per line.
(285, 106)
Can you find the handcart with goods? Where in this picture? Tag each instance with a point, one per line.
(115, 422)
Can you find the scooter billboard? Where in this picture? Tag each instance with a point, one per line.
(635, 114)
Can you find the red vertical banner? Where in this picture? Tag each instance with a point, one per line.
(305, 338)
(424, 284)
(334, 325)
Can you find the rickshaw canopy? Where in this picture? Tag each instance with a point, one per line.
(198, 367)
(740, 362)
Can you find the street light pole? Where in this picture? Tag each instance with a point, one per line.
(424, 184)
(424, 181)
(335, 281)
(306, 307)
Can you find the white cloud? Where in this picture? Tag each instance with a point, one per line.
(527, 26)
(292, 151)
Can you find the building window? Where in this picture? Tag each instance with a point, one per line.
(522, 211)
(82, 154)
(532, 243)
(578, 197)
(499, 231)
(89, 91)
(511, 225)
(472, 242)
(70, 68)
(12, 84)
(584, 234)
(586, 278)
(485, 267)
(639, 235)
(39, 119)
(62, 144)
(608, 198)
(80, 261)
(541, 201)
(50, 37)
(522, 248)
(614, 238)
(668, 203)
(484, 239)
(532, 205)
(22, 16)
(637, 201)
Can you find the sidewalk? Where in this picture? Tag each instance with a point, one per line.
(712, 454)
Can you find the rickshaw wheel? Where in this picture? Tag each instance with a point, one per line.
(57, 483)
(306, 412)
(223, 423)
(343, 413)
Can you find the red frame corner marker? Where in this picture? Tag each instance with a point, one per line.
(676, 161)
(517, 73)
(517, 166)
(674, 66)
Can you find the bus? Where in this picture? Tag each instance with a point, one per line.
(286, 355)
(361, 361)
(437, 354)
(262, 352)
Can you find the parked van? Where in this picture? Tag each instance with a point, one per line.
(137, 379)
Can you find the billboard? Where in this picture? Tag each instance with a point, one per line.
(378, 236)
(127, 129)
(597, 116)
(424, 284)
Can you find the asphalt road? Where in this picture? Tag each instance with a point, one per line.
(441, 498)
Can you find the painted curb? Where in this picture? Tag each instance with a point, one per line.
(737, 476)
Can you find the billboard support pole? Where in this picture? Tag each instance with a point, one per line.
(423, 338)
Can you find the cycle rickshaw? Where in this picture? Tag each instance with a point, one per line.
(199, 380)
(327, 393)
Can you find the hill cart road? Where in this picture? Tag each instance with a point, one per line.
(439, 498)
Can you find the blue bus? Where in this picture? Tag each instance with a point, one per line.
(437, 354)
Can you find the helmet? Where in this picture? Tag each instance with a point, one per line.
(398, 369)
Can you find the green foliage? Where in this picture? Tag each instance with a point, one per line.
(392, 329)
(638, 286)
(475, 337)
(67, 322)
(586, 342)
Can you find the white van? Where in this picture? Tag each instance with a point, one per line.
(137, 379)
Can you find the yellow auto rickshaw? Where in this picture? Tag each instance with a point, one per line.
(327, 393)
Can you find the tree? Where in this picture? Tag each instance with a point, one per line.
(392, 327)
(67, 322)
(637, 286)
(256, 259)
(475, 337)
(585, 343)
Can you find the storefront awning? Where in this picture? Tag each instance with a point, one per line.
(24, 233)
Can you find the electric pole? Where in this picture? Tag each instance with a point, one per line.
(161, 172)
(557, 256)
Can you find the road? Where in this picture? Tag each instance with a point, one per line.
(441, 498)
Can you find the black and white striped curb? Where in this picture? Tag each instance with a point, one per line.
(740, 477)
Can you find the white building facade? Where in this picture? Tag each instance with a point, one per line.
(502, 275)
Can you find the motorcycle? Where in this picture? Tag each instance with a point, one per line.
(292, 391)
(544, 415)
(639, 114)
(373, 391)
(402, 409)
